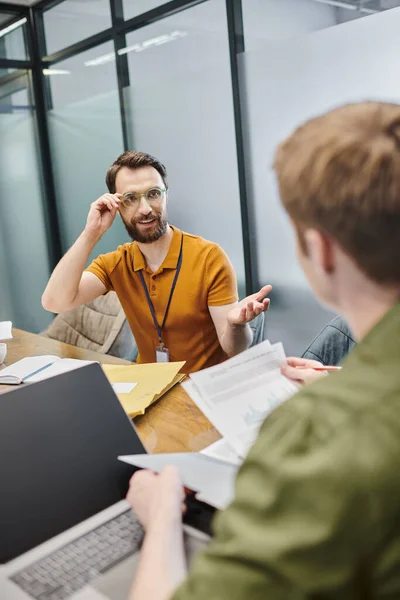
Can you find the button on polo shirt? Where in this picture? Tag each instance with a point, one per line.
(206, 279)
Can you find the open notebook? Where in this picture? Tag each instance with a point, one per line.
(36, 368)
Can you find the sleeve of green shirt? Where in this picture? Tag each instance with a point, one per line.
(292, 531)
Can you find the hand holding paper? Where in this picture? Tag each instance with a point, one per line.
(237, 395)
(212, 479)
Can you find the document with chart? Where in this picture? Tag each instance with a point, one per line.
(237, 395)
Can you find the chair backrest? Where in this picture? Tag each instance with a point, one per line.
(332, 344)
(99, 325)
(257, 325)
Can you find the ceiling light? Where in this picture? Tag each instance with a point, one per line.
(11, 27)
(56, 72)
(157, 41)
(338, 3)
(369, 11)
(100, 60)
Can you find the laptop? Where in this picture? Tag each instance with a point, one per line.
(66, 531)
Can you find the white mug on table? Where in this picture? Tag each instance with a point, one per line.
(3, 353)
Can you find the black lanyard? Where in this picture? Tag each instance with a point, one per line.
(150, 303)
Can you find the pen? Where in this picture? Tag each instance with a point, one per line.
(321, 368)
(36, 372)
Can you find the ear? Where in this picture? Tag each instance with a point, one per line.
(320, 250)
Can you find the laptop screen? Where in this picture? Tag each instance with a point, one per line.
(59, 442)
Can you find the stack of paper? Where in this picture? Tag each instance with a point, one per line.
(238, 394)
(144, 384)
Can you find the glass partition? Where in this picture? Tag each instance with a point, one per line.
(302, 60)
(24, 268)
(74, 20)
(86, 137)
(12, 37)
(133, 8)
(181, 110)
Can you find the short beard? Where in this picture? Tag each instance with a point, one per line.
(153, 235)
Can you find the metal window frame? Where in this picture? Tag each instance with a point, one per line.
(121, 63)
(52, 224)
(236, 46)
(18, 9)
(39, 59)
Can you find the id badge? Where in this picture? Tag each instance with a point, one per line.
(162, 354)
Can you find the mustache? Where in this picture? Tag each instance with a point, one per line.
(146, 218)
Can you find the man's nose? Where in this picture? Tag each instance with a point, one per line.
(144, 206)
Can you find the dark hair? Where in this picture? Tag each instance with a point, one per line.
(340, 173)
(133, 160)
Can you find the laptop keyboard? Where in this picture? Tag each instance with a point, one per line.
(70, 568)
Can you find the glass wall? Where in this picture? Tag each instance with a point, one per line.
(85, 136)
(12, 37)
(73, 20)
(133, 8)
(24, 267)
(181, 110)
(173, 97)
(301, 60)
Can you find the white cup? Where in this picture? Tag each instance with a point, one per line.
(3, 353)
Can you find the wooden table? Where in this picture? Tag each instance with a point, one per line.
(173, 424)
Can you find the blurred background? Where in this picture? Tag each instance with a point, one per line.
(209, 87)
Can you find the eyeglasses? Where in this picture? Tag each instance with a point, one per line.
(152, 196)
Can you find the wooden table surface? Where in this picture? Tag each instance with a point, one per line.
(173, 424)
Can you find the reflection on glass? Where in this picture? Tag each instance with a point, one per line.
(347, 10)
(23, 250)
(86, 137)
(271, 20)
(180, 100)
(133, 8)
(4, 72)
(302, 58)
(73, 20)
(12, 37)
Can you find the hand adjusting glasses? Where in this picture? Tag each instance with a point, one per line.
(152, 196)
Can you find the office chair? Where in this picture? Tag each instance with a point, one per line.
(100, 325)
(332, 344)
(257, 326)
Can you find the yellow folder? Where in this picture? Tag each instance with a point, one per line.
(152, 379)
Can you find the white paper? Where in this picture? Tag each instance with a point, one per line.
(5, 330)
(62, 365)
(123, 388)
(237, 395)
(222, 450)
(191, 389)
(212, 479)
(26, 366)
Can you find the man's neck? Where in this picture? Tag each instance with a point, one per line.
(155, 252)
(365, 309)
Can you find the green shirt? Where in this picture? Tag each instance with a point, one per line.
(316, 513)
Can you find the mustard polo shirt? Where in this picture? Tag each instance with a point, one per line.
(206, 279)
